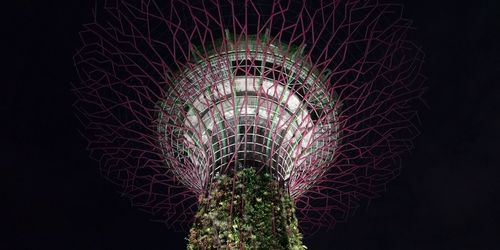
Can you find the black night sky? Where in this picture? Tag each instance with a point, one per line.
(447, 196)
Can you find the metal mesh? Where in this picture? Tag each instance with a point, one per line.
(253, 104)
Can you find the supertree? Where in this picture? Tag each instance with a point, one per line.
(240, 118)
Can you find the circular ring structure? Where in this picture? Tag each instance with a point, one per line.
(252, 103)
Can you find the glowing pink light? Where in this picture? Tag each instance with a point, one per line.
(357, 58)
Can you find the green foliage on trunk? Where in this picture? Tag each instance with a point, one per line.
(248, 210)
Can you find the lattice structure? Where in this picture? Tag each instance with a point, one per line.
(318, 93)
(250, 103)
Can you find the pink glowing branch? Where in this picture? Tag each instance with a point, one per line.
(134, 55)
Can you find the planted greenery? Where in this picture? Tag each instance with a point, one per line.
(248, 210)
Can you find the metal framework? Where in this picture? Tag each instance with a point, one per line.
(250, 104)
(320, 93)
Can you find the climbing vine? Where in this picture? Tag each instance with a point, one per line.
(248, 210)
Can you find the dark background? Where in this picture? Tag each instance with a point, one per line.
(447, 196)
